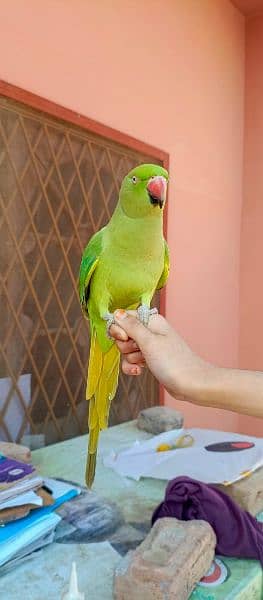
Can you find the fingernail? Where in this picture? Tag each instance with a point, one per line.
(134, 371)
(120, 314)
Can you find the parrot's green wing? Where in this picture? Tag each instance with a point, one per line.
(165, 274)
(88, 265)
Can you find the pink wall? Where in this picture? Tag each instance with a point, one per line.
(251, 286)
(172, 75)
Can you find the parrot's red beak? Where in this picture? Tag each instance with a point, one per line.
(157, 187)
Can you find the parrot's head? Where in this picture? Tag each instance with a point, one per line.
(143, 191)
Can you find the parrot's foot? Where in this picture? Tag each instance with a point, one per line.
(109, 318)
(144, 313)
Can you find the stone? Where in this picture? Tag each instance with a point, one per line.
(158, 419)
(90, 517)
(168, 564)
(247, 492)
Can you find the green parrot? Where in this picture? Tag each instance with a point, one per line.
(122, 266)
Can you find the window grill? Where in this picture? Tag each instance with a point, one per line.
(58, 185)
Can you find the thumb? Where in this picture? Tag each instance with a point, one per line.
(134, 328)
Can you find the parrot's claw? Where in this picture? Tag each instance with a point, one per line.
(109, 318)
(144, 313)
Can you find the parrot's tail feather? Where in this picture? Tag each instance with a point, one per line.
(101, 388)
(93, 444)
(93, 422)
(95, 366)
(90, 469)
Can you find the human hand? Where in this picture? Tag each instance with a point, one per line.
(158, 346)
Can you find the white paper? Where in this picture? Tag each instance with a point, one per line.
(21, 487)
(21, 500)
(59, 488)
(142, 459)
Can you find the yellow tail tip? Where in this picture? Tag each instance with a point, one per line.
(90, 469)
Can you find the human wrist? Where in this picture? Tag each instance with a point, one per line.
(193, 383)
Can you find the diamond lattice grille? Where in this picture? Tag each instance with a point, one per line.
(58, 185)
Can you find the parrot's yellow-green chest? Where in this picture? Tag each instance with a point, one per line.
(125, 280)
(130, 264)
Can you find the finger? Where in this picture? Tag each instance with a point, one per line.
(118, 333)
(135, 358)
(129, 369)
(132, 326)
(127, 347)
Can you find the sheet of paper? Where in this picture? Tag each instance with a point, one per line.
(21, 487)
(215, 457)
(21, 500)
(58, 488)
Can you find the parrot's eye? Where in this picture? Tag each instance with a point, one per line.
(134, 179)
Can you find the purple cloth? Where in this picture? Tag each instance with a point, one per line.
(238, 533)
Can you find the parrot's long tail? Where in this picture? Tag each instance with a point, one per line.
(102, 383)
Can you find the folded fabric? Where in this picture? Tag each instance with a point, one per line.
(238, 533)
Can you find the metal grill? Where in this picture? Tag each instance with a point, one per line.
(58, 185)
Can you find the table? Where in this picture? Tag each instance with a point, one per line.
(45, 575)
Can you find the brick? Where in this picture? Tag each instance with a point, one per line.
(174, 556)
(247, 492)
(158, 419)
(15, 451)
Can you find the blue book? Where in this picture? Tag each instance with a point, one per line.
(27, 536)
(11, 530)
(19, 534)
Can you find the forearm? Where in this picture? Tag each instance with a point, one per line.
(183, 373)
(230, 389)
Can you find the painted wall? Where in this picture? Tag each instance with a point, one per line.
(172, 76)
(251, 286)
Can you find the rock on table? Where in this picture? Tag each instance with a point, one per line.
(158, 419)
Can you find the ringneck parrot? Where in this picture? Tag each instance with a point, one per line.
(122, 266)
